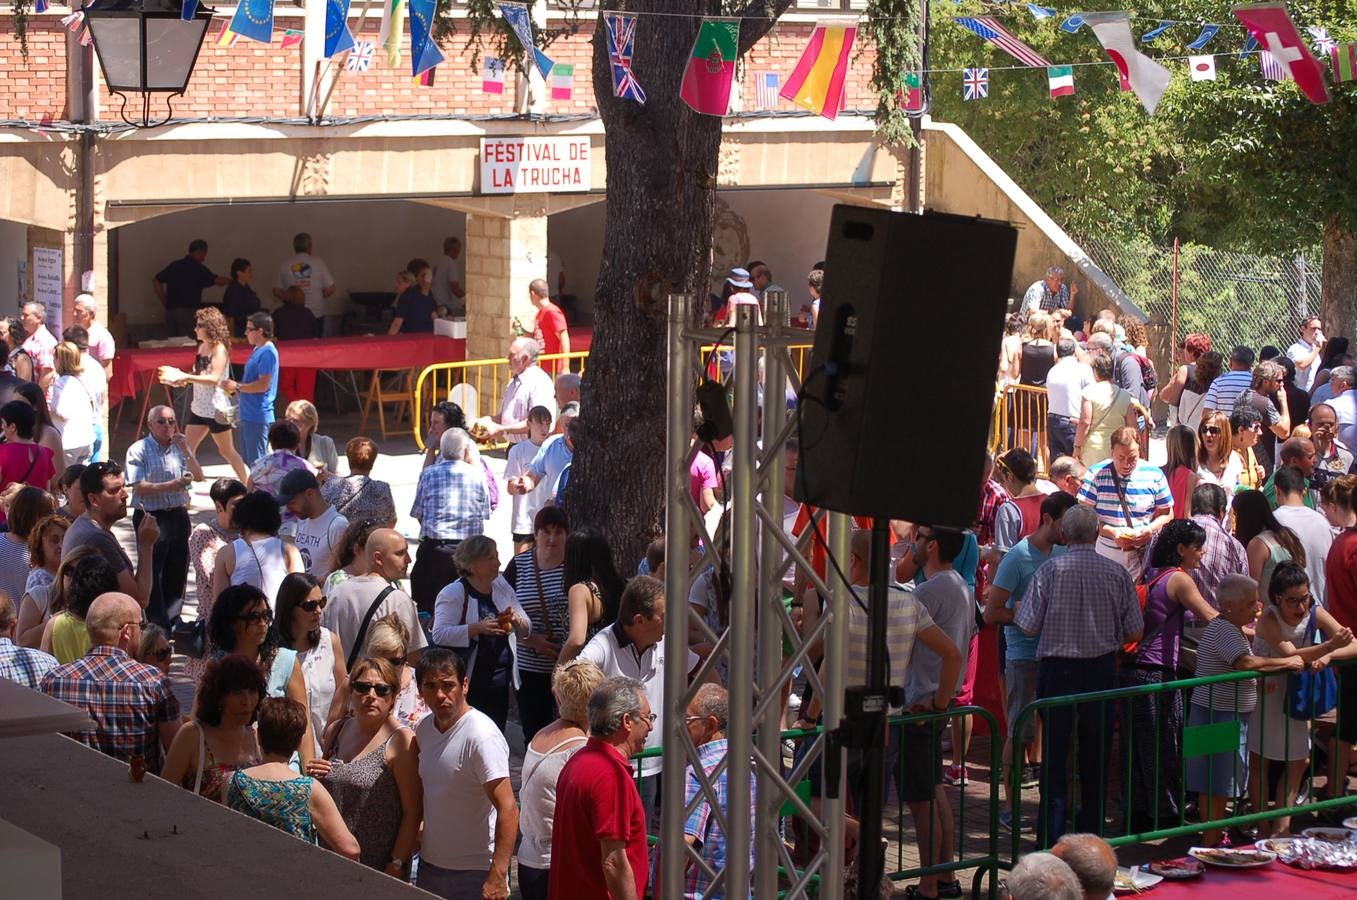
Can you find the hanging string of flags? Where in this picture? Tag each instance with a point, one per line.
(819, 79)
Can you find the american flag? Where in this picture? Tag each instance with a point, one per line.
(1324, 44)
(974, 84)
(989, 28)
(766, 85)
(360, 57)
(1271, 68)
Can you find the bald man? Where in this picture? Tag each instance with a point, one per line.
(1093, 861)
(134, 711)
(357, 603)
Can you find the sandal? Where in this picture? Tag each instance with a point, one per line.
(950, 889)
(913, 892)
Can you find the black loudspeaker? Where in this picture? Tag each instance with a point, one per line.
(897, 402)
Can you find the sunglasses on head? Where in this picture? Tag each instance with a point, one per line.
(371, 687)
(264, 615)
(312, 605)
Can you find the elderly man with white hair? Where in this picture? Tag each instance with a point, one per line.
(530, 386)
(1043, 876)
(1050, 293)
(40, 344)
(452, 502)
(101, 346)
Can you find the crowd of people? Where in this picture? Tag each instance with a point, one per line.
(337, 705)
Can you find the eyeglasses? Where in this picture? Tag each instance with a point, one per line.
(264, 615)
(1298, 602)
(371, 687)
(1211, 429)
(140, 624)
(162, 421)
(312, 605)
(650, 719)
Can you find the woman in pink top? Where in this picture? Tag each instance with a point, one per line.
(1181, 468)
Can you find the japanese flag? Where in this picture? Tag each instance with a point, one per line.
(1203, 68)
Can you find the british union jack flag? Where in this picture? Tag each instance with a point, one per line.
(974, 84)
(621, 45)
(360, 57)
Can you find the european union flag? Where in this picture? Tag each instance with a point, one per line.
(338, 38)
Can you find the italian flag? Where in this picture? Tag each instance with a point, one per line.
(1344, 62)
(1062, 80)
(562, 81)
(711, 68)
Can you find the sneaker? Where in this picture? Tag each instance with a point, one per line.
(1006, 820)
(1031, 777)
(955, 775)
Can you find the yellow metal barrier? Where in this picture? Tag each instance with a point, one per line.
(1020, 420)
(489, 377)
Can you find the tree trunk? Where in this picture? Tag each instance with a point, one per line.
(1339, 287)
(661, 189)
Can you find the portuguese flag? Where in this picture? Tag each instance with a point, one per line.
(711, 68)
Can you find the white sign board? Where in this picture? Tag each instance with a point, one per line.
(551, 165)
(47, 285)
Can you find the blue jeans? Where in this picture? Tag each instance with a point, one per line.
(1091, 725)
(254, 441)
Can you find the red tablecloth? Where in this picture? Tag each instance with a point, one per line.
(1275, 882)
(134, 369)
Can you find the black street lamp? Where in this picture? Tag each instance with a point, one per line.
(146, 48)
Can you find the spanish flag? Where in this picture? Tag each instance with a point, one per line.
(817, 81)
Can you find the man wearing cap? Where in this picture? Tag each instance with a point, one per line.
(743, 295)
(319, 528)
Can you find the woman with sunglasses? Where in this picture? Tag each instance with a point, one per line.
(242, 622)
(220, 738)
(388, 639)
(1216, 460)
(1288, 627)
(319, 652)
(372, 770)
(154, 649)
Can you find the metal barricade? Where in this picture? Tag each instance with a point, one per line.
(1151, 740)
(1020, 421)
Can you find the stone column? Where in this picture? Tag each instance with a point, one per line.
(503, 255)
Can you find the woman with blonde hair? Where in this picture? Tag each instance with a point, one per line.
(388, 639)
(317, 449)
(547, 753)
(44, 559)
(1104, 409)
(1216, 462)
(211, 367)
(73, 406)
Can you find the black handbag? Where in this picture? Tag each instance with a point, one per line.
(190, 638)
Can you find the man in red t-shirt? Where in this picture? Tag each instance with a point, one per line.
(551, 333)
(598, 834)
(1340, 578)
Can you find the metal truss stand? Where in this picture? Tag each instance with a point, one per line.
(751, 645)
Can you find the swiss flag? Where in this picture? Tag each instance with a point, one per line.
(1273, 29)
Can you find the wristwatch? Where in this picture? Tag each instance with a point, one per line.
(398, 863)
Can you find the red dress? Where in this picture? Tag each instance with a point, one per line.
(28, 463)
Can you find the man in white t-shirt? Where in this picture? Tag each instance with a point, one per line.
(1065, 384)
(521, 456)
(1310, 527)
(318, 532)
(306, 272)
(95, 380)
(470, 815)
(1306, 351)
(449, 287)
(388, 557)
(634, 646)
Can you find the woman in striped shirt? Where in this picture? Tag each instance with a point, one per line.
(538, 577)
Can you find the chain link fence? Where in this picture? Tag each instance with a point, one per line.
(1236, 298)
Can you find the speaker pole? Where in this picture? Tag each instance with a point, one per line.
(872, 856)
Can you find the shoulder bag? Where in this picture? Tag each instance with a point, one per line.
(363, 628)
(1311, 694)
(202, 759)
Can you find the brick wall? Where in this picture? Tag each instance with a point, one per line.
(251, 79)
(33, 89)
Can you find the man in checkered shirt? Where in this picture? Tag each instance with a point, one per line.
(452, 502)
(1081, 607)
(134, 711)
(22, 664)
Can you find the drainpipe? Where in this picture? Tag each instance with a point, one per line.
(85, 111)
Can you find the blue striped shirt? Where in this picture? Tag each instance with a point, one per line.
(1147, 492)
(149, 462)
(23, 664)
(1227, 387)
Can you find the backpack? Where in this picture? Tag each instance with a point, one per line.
(1130, 648)
(1148, 379)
